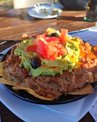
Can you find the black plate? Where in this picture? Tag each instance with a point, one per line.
(29, 98)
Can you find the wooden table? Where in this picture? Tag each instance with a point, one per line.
(12, 26)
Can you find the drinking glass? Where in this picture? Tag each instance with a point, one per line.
(91, 13)
(44, 7)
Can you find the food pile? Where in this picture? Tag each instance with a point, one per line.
(51, 65)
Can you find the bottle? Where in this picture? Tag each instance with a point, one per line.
(91, 13)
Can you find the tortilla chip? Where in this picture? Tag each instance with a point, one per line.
(88, 89)
(32, 92)
(1, 68)
(7, 82)
(83, 91)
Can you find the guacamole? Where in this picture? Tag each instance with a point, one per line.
(49, 66)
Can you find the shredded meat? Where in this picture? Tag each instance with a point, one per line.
(12, 69)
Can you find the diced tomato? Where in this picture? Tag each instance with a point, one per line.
(64, 36)
(47, 47)
(41, 49)
(31, 48)
(52, 51)
(48, 39)
(62, 51)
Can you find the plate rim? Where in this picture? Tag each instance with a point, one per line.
(32, 14)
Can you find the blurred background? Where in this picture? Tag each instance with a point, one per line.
(8, 4)
(67, 4)
(5, 4)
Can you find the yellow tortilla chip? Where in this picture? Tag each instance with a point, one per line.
(7, 82)
(32, 92)
(88, 89)
(1, 68)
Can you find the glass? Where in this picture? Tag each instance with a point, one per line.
(44, 7)
(91, 14)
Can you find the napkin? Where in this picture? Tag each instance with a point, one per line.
(69, 112)
(93, 111)
(89, 35)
